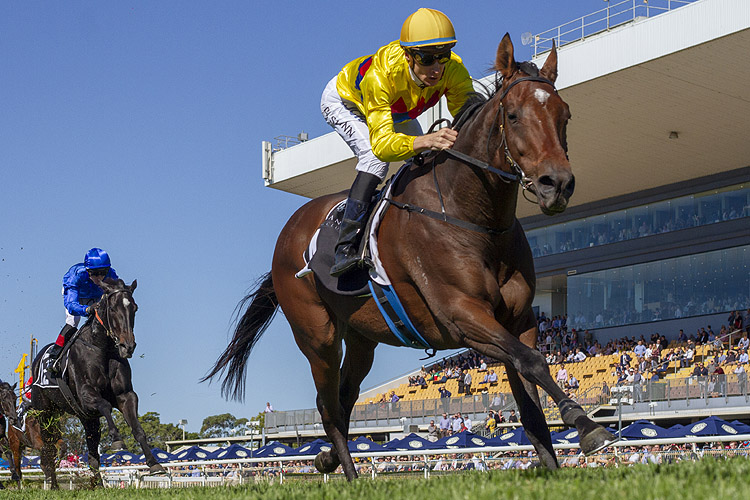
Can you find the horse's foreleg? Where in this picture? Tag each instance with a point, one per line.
(532, 418)
(93, 436)
(476, 321)
(105, 408)
(128, 405)
(15, 449)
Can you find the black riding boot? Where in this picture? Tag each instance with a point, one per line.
(56, 350)
(353, 223)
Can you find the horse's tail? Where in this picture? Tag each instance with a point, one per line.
(250, 327)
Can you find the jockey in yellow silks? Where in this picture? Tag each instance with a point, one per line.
(373, 103)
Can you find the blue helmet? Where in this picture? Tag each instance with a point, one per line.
(96, 258)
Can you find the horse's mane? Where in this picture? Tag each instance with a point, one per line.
(476, 100)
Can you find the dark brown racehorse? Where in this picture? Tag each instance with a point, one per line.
(99, 378)
(461, 287)
(30, 437)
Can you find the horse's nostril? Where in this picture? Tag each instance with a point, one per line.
(570, 187)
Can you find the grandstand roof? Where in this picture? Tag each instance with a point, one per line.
(628, 89)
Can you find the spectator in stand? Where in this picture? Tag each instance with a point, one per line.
(573, 383)
(625, 359)
(432, 432)
(743, 357)
(482, 366)
(393, 397)
(562, 376)
(579, 356)
(444, 393)
(445, 424)
(739, 370)
(490, 423)
(687, 357)
(639, 350)
(269, 408)
(467, 424)
(457, 424)
(499, 417)
(467, 382)
(700, 370)
(512, 418)
(493, 377)
(682, 337)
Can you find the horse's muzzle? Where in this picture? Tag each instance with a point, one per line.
(126, 350)
(554, 190)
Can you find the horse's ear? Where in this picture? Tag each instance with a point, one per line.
(504, 61)
(14, 386)
(549, 70)
(133, 285)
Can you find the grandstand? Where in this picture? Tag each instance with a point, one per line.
(655, 238)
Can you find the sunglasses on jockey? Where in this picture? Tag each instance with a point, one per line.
(430, 58)
(100, 272)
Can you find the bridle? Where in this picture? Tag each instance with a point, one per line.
(107, 327)
(516, 175)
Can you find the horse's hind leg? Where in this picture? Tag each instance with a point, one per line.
(360, 353)
(128, 405)
(48, 454)
(322, 348)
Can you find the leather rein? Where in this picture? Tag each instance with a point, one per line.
(516, 175)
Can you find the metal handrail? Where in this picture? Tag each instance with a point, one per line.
(612, 16)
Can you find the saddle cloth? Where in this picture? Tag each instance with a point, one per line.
(319, 255)
(43, 378)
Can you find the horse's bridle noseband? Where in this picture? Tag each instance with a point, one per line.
(107, 327)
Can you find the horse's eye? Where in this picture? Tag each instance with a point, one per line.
(512, 117)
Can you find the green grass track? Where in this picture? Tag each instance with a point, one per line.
(705, 480)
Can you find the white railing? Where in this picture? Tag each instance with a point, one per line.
(372, 465)
(612, 16)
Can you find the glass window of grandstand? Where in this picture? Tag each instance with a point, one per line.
(693, 285)
(700, 209)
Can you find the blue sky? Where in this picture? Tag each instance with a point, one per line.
(136, 127)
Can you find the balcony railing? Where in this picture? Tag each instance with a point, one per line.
(612, 16)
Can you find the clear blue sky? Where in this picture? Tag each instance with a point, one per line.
(135, 126)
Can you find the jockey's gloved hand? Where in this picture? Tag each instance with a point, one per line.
(89, 310)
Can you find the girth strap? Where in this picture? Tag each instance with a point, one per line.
(395, 316)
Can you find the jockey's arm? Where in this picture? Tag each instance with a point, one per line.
(71, 302)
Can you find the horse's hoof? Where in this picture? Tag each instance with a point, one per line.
(118, 445)
(596, 440)
(156, 469)
(326, 466)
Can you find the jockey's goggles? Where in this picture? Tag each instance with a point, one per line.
(430, 58)
(102, 271)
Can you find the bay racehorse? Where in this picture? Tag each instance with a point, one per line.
(466, 280)
(7, 391)
(29, 437)
(99, 377)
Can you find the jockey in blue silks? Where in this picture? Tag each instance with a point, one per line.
(81, 290)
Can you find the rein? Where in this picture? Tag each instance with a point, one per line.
(517, 174)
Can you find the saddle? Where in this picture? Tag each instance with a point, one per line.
(368, 280)
(46, 380)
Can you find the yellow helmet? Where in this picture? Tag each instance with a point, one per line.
(427, 28)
